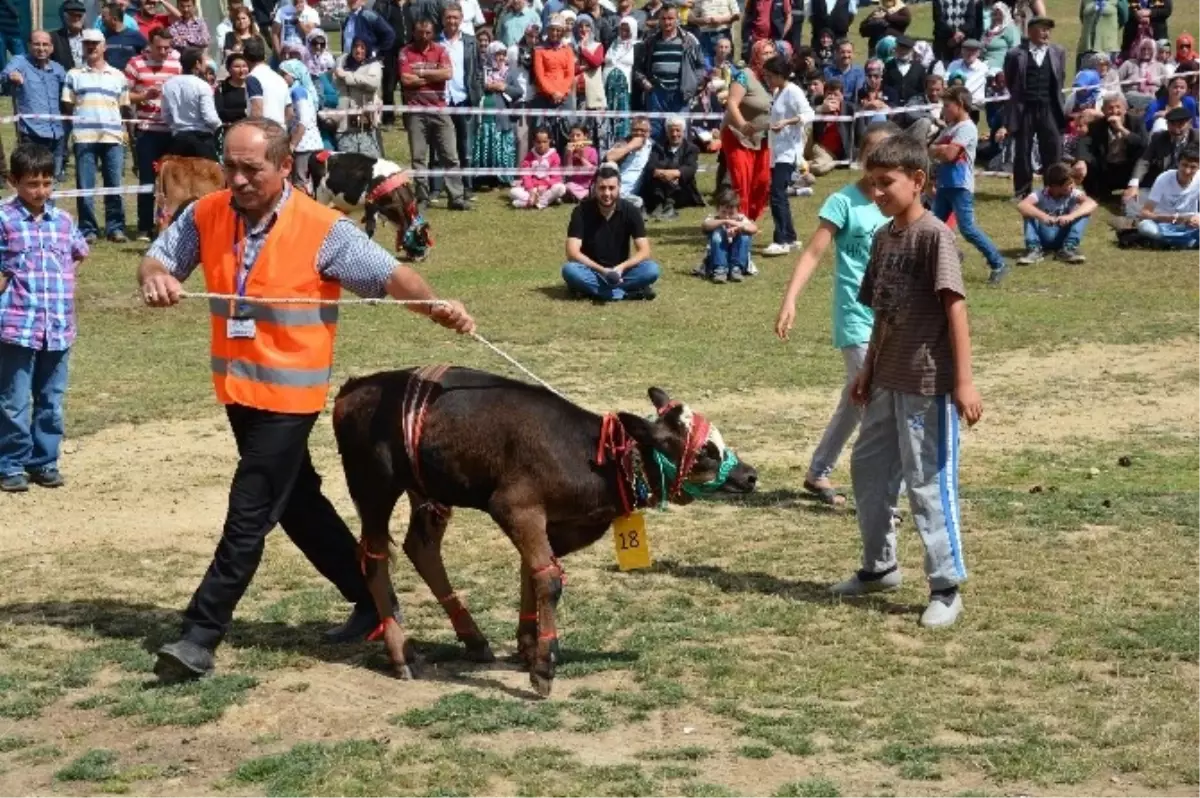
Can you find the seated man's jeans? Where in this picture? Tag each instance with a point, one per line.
(585, 281)
(726, 253)
(1176, 236)
(1052, 237)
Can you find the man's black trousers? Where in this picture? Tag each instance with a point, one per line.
(1037, 120)
(275, 483)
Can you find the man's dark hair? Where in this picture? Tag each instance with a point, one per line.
(778, 66)
(727, 197)
(278, 142)
(959, 95)
(189, 59)
(903, 152)
(931, 78)
(842, 41)
(31, 160)
(607, 170)
(255, 51)
(1057, 174)
(158, 33)
(1191, 152)
(114, 10)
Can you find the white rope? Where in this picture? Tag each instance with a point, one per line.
(373, 301)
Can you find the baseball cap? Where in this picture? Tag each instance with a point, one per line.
(92, 35)
(972, 44)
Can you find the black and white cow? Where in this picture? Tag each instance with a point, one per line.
(351, 181)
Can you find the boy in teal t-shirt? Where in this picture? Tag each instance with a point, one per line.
(849, 219)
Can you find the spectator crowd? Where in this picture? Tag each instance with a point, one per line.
(783, 107)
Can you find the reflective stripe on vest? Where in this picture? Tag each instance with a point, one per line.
(287, 315)
(256, 372)
(286, 366)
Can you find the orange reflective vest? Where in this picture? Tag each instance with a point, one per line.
(286, 366)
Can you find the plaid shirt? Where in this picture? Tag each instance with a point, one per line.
(188, 33)
(38, 256)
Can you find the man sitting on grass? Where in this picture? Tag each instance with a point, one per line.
(599, 262)
(1171, 216)
(1055, 218)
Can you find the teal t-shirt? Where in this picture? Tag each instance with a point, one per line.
(856, 218)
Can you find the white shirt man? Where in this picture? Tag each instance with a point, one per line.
(973, 69)
(268, 94)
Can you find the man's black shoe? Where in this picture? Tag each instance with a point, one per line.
(362, 621)
(183, 661)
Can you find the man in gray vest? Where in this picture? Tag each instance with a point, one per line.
(1035, 74)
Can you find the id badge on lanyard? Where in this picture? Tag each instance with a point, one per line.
(240, 324)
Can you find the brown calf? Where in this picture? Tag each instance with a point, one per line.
(552, 475)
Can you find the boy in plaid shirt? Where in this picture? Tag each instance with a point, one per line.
(40, 247)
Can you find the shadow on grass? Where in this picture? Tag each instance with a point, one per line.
(154, 626)
(766, 584)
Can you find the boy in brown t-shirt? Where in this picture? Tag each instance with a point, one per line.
(915, 382)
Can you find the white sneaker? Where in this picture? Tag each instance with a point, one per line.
(751, 269)
(938, 614)
(774, 250)
(858, 587)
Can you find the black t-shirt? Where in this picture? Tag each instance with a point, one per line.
(606, 241)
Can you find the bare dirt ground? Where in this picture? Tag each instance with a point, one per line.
(137, 491)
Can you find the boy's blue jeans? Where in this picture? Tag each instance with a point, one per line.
(726, 253)
(1051, 237)
(1179, 236)
(110, 160)
(962, 203)
(33, 384)
(582, 280)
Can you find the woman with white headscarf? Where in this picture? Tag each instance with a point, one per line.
(1000, 36)
(494, 145)
(618, 74)
(590, 77)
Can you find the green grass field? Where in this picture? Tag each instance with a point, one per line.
(722, 670)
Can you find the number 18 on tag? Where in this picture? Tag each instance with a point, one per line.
(632, 542)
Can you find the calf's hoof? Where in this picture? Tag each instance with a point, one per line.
(480, 652)
(541, 683)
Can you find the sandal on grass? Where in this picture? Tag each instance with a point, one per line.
(826, 495)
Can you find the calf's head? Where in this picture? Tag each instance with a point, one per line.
(397, 202)
(689, 452)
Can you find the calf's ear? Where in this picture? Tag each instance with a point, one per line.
(659, 398)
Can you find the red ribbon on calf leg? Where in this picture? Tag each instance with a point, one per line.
(379, 630)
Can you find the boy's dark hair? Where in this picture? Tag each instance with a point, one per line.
(229, 59)
(1057, 174)
(832, 85)
(903, 152)
(31, 160)
(880, 130)
(814, 75)
(778, 65)
(727, 197)
(1191, 152)
(189, 58)
(158, 32)
(931, 78)
(959, 95)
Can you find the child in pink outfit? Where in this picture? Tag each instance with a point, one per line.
(580, 153)
(540, 189)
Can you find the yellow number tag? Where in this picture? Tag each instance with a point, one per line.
(632, 542)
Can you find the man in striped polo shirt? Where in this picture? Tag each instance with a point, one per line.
(146, 74)
(670, 70)
(95, 95)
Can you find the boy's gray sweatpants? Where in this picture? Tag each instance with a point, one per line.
(914, 439)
